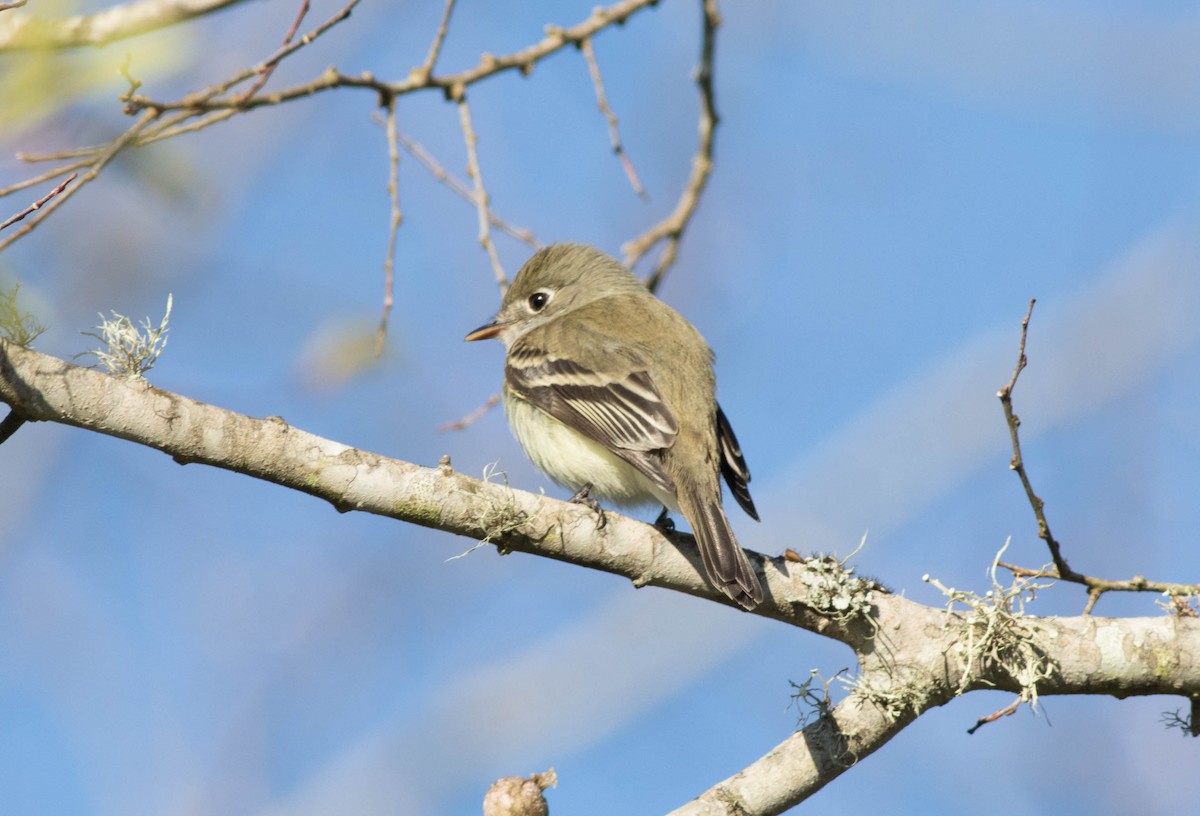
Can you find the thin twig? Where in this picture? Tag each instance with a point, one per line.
(426, 70)
(50, 174)
(37, 205)
(1018, 462)
(1007, 711)
(460, 424)
(154, 126)
(672, 227)
(204, 100)
(1061, 570)
(269, 68)
(481, 196)
(435, 168)
(124, 70)
(396, 218)
(614, 133)
(12, 5)
(97, 165)
(88, 152)
(200, 123)
(489, 65)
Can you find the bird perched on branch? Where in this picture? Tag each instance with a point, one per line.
(611, 393)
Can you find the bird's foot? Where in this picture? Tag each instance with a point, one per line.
(664, 521)
(581, 497)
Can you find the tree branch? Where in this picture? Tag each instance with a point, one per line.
(10, 425)
(269, 68)
(435, 48)
(911, 656)
(25, 31)
(480, 196)
(431, 164)
(671, 228)
(45, 388)
(614, 130)
(1062, 571)
(489, 65)
(37, 205)
(396, 217)
(96, 165)
(800, 765)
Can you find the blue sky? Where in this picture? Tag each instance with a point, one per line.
(892, 185)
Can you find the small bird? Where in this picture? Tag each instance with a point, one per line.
(611, 393)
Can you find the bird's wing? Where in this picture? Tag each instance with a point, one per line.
(616, 405)
(733, 465)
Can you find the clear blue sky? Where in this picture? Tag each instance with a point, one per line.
(892, 184)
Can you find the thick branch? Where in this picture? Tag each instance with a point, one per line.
(801, 765)
(911, 656)
(44, 388)
(25, 31)
(914, 663)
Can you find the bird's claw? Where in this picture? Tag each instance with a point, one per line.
(581, 497)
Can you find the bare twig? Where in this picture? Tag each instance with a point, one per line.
(481, 196)
(172, 126)
(115, 23)
(1188, 723)
(614, 134)
(489, 65)
(396, 218)
(1007, 711)
(1018, 462)
(269, 68)
(37, 205)
(134, 82)
(434, 167)
(1061, 570)
(471, 418)
(13, 5)
(36, 180)
(154, 126)
(671, 228)
(203, 108)
(426, 70)
(208, 106)
(97, 165)
(205, 100)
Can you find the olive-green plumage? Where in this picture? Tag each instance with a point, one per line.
(605, 385)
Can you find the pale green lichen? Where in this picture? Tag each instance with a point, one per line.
(500, 516)
(128, 351)
(16, 326)
(994, 633)
(894, 698)
(833, 589)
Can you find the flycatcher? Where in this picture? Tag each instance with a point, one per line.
(611, 391)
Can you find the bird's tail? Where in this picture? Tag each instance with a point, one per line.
(724, 559)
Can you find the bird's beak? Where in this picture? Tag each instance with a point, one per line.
(488, 330)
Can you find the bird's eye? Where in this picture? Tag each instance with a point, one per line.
(538, 300)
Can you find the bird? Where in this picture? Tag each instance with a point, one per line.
(612, 393)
